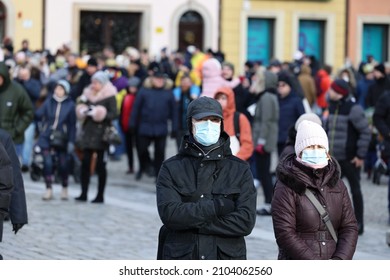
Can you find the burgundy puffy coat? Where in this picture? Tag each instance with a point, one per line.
(300, 233)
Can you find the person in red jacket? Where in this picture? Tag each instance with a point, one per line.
(127, 106)
(323, 81)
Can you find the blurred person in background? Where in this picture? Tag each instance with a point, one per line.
(57, 113)
(96, 109)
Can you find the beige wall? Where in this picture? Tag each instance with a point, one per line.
(24, 21)
(364, 11)
(287, 13)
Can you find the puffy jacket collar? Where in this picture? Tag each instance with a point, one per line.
(298, 176)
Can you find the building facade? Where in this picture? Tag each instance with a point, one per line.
(259, 30)
(20, 19)
(368, 30)
(149, 24)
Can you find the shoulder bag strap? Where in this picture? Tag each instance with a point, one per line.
(236, 122)
(324, 215)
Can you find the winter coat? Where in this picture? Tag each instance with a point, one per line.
(348, 130)
(33, 88)
(6, 185)
(125, 112)
(362, 88)
(18, 205)
(299, 230)
(323, 82)
(290, 109)
(186, 186)
(246, 142)
(16, 109)
(93, 127)
(212, 78)
(182, 101)
(381, 120)
(152, 109)
(65, 120)
(243, 100)
(83, 82)
(120, 82)
(308, 85)
(265, 122)
(376, 90)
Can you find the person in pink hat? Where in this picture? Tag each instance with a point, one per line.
(300, 231)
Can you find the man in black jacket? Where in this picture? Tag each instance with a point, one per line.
(205, 196)
(381, 120)
(8, 161)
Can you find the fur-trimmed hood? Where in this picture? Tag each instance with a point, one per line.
(108, 90)
(298, 177)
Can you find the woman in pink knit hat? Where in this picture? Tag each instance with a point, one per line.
(301, 232)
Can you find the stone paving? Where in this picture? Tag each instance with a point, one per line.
(126, 226)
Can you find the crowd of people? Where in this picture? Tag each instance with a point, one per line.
(65, 102)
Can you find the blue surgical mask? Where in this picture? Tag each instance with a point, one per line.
(207, 132)
(315, 156)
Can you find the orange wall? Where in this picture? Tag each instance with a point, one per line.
(363, 8)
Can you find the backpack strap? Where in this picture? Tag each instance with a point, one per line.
(237, 124)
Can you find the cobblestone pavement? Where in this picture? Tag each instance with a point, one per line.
(126, 225)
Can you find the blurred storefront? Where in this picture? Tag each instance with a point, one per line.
(278, 29)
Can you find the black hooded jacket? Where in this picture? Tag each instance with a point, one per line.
(187, 186)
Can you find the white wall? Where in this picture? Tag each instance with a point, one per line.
(161, 18)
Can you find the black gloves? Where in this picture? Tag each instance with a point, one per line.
(223, 206)
(16, 227)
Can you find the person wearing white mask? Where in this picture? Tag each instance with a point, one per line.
(205, 196)
(300, 231)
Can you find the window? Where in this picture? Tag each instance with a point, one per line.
(100, 29)
(260, 40)
(311, 38)
(375, 41)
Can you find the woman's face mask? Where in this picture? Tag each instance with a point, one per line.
(316, 156)
(206, 132)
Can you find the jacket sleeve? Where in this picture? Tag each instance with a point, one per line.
(269, 111)
(6, 181)
(18, 205)
(176, 214)
(72, 124)
(241, 221)
(136, 111)
(360, 123)
(347, 233)
(380, 115)
(26, 111)
(174, 112)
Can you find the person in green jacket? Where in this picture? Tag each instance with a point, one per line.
(16, 109)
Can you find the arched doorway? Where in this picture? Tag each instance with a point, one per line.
(191, 30)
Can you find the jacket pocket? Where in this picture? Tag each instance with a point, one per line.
(230, 193)
(231, 249)
(178, 251)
